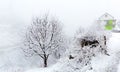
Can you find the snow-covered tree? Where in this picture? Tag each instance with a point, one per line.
(88, 44)
(44, 37)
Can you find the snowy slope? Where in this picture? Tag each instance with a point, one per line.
(12, 60)
(101, 63)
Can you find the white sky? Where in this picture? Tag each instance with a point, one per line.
(15, 14)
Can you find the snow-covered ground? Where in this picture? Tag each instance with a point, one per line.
(12, 61)
(101, 63)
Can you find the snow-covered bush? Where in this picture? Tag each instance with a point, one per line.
(88, 44)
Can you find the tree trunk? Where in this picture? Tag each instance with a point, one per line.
(105, 40)
(45, 60)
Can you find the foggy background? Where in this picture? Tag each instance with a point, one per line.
(15, 15)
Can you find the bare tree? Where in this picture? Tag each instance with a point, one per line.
(44, 37)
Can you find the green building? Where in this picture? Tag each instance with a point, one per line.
(108, 21)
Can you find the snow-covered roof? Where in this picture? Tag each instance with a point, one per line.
(106, 16)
